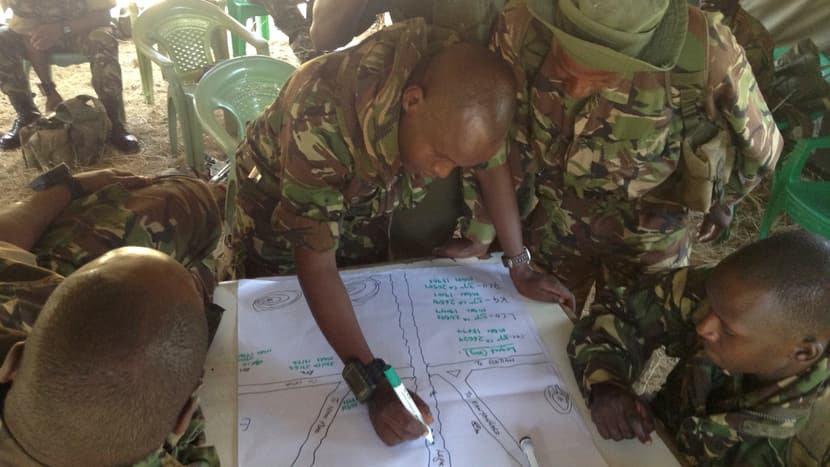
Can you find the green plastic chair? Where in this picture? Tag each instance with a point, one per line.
(242, 87)
(185, 38)
(145, 67)
(806, 202)
(241, 11)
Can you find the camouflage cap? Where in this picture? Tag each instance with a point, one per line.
(617, 35)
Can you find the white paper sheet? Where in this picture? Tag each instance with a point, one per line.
(458, 336)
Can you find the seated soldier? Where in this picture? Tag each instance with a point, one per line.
(49, 26)
(115, 335)
(730, 358)
(353, 138)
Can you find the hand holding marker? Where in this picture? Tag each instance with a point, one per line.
(406, 399)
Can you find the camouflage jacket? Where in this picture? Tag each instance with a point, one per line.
(622, 143)
(758, 46)
(26, 14)
(716, 419)
(24, 288)
(321, 166)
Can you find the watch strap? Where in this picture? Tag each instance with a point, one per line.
(512, 261)
(58, 175)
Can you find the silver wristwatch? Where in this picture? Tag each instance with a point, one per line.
(511, 261)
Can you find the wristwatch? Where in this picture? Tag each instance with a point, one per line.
(363, 379)
(511, 261)
(59, 175)
(67, 29)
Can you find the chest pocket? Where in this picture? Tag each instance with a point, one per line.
(622, 141)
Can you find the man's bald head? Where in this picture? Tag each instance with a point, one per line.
(459, 103)
(111, 362)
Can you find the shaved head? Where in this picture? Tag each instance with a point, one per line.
(111, 362)
(458, 106)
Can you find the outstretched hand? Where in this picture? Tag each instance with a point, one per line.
(392, 422)
(541, 286)
(462, 248)
(619, 414)
(715, 222)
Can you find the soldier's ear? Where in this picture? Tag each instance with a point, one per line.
(808, 350)
(413, 97)
(11, 363)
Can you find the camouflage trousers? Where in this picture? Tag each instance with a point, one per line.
(294, 25)
(99, 46)
(605, 240)
(176, 215)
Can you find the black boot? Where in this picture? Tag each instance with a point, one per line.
(27, 113)
(119, 137)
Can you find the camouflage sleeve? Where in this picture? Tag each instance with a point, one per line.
(713, 442)
(311, 207)
(624, 327)
(739, 100)
(513, 39)
(24, 289)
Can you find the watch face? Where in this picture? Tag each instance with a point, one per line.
(355, 376)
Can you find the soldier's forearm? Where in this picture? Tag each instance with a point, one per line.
(502, 207)
(330, 305)
(24, 222)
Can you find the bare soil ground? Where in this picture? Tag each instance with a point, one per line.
(149, 124)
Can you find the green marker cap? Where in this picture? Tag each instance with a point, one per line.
(393, 378)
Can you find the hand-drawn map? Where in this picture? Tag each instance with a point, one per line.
(459, 336)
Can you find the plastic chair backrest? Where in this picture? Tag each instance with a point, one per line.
(806, 201)
(243, 87)
(190, 33)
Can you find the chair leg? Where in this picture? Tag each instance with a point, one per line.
(172, 130)
(766, 223)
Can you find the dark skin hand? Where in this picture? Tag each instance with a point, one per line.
(715, 222)
(392, 424)
(329, 303)
(619, 414)
(530, 283)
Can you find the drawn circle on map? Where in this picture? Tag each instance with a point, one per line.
(362, 290)
(276, 300)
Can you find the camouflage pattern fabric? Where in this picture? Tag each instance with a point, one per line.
(717, 419)
(758, 46)
(99, 45)
(321, 167)
(588, 170)
(176, 215)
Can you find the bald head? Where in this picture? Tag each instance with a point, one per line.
(460, 102)
(470, 80)
(114, 357)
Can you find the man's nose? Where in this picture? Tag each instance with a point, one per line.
(709, 328)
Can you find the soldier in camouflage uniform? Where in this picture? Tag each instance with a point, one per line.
(48, 238)
(77, 26)
(352, 139)
(415, 231)
(731, 359)
(596, 145)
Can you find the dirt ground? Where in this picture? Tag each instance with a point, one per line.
(149, 124)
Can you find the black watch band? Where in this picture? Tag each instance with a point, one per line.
(363, 379)
(59, 175)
